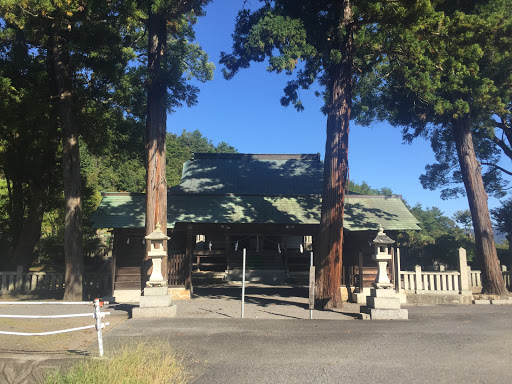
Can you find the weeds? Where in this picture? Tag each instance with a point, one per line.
(142, 363)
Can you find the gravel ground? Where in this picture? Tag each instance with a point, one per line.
(261, 302)
(438, 344)
(209, 301)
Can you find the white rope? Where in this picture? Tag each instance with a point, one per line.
(93, 315)
(47, 333)
(48, 302)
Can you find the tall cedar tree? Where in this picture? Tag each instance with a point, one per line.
(75, 36)
(451, 77)
(169, 23)
(29, 141)
(332, 43)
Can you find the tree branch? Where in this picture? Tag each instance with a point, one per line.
(498, 168)
(505, 148)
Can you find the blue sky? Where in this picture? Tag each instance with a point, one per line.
(245, 112)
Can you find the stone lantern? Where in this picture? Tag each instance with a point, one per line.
(157, 254)
(381, 255)
(383, 302)
(156, 301)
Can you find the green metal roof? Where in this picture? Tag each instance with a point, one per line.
(122, 210)
(261, 174)
(253, 188)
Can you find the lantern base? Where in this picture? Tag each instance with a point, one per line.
(161, 283)
(382, 285)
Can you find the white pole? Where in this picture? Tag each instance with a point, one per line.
(243, 282)
(312, 286)
(97, 314)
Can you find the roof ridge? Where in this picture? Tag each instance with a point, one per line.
(258, 156)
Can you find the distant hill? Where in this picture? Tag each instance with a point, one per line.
(498, 236)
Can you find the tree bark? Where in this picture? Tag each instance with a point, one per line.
(328, 260)
(156, 183)
(492, 279)
(31, 231)
(16, 204)
(73, 247)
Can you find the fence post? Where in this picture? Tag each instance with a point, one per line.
(360, 267)
(418, 282)
(113, 266)
(464, 273)
(398, 278)
(311, 286)
(505, 275)
(99, 326)
(242, 314)
(19, 278)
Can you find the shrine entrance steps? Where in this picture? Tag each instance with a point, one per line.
(267, 276)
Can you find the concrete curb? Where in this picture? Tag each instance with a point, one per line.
(32, 368)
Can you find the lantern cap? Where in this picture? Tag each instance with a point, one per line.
(157, 234)
(382, 238)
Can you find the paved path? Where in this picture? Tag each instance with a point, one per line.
(261, 302)
(441, 344)
(276, 344)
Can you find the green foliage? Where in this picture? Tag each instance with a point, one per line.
(437, 242)
(503, 217)
(106, 43)
(503, 220)
(365, 189)
(305, 37)
(464, 219)
(180, 149)
(455, 65)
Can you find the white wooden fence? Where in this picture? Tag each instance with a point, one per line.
(458, 281)
(507, 276)
(476, 280)
(98, 315)
(31, 282)
(430, 281)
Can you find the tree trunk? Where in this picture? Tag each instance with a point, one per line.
(492, 279)
(328, 260)
(156, 183)
(16, 205)
(39, 192)
(73, 248)
(31, 231)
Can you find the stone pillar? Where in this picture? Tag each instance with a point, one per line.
(465, 289)
(398, 277)
(418, 281)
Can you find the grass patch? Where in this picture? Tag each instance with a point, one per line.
(142, 363)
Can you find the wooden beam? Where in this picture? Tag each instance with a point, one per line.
(187, 265)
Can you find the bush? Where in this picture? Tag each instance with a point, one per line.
(142, 363)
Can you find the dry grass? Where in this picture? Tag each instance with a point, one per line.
(143, 363)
